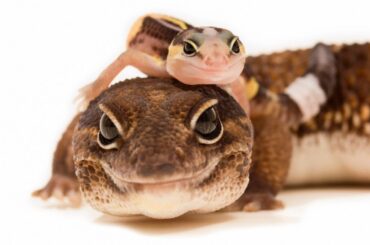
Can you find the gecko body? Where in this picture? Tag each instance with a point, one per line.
(161, 148)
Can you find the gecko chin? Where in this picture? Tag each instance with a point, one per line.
(215, 187)
(188, 151)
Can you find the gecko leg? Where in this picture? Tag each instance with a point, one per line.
(238, 89)
(63, 183)
(146, 63)
(268, 171)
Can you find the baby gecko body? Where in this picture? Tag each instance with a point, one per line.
(163, 46)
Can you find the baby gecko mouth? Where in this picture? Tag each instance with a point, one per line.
(224, 68)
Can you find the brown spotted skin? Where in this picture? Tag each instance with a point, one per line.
(348, 110)
(270, 164)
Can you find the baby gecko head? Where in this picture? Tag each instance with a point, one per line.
(161, 148)
(206, 55)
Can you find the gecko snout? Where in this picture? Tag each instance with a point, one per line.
(152, 166)
(164, 168)
(217, 60)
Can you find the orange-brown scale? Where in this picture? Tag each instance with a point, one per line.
(348, 109)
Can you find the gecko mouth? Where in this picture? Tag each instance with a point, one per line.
(168, 199)
(152, 184)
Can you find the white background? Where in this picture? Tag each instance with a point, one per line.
(48, 49)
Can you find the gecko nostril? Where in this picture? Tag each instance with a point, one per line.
(208, 60)
(146, 170)
(216, 60)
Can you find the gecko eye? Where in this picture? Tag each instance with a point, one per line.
(234, 45)
(207, 124)
(190, 48)
(108, 133)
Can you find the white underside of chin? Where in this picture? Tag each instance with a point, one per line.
(323, 159)
(165, 205)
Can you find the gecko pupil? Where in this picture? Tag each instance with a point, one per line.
(208, 125)
(108, 131)
(235, 48)
(189, 49)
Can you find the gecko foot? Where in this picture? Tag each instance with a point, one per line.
(62, 188)
(87, 93)
(258, 202)
(255, 202)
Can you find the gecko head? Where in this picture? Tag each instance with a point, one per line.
(206, 55)
(160, 148)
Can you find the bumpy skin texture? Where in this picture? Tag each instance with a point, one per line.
(348, 110)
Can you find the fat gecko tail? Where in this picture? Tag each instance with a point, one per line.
(348, 109)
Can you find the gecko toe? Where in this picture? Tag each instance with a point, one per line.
(258, 202)
(62, 188)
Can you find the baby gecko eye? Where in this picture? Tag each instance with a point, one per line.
(234, 45)
(190, 48)
(108, 133)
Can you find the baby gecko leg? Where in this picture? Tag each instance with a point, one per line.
(237, 90)
(146, 63)
(147, 47)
